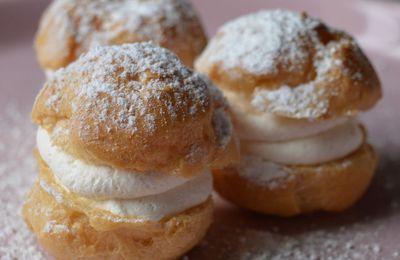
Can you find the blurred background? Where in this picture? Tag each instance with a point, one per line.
(374, 23)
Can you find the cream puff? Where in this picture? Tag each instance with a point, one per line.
(127, 135)
(295, 87)
(69, 28)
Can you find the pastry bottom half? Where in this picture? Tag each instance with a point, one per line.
(69, 228)
(332, 186)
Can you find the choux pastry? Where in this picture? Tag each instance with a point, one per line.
(127, 136)
(69, 28)
(295, 87)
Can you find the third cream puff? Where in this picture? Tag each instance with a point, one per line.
(69, 28)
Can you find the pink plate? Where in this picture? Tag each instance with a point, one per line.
(370, 230)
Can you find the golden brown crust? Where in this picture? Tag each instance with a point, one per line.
(134, 107)
(67, 233)
(69, 28)
(309, 59)
(70, 227)
(333, 186)
(99, 218)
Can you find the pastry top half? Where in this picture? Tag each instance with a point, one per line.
(137, 107)
(292, 65)
(69, 28)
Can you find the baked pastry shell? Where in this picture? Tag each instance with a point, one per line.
(89, 233)
(332, 187)
(56, 48)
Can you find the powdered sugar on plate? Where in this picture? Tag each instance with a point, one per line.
(345, 243)
(17, 173)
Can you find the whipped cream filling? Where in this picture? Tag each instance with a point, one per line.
(326, 146)
(150, 196)
(267, 127)
(101, 182)
(155, 207)
(291, 141)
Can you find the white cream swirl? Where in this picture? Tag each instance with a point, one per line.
(324, 147)
(150, 196)
(291, 141)
(269, 128)
(101, 182)
(155, 207)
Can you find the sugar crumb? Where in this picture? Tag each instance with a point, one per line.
(17, 174)
(55, 228)
(263, 172)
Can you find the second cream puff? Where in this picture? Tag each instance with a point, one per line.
(295, 87)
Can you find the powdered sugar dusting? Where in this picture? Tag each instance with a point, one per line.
(255, 42)
(223, 127)
(274, 42)
(304, 101)
(17, 173)
(121, 84)
(307, 100)
(53, 227)
(56, 195)
(221, 119)
(263, 172)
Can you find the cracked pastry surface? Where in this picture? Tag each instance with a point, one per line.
(136, 108)
(69, 28)
(291, 64)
